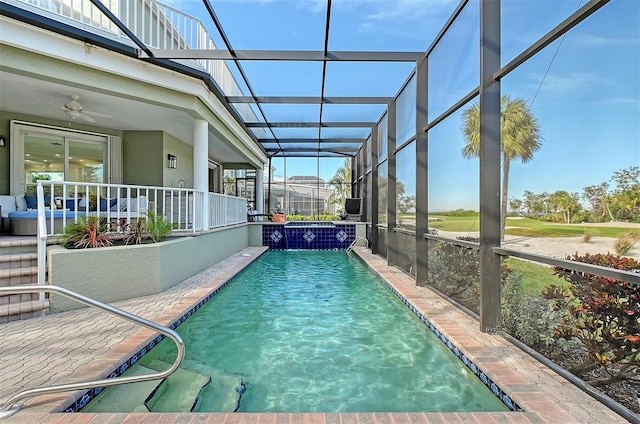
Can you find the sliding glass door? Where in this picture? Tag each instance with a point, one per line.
(56, 155)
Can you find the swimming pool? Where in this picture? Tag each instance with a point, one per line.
(316, 332)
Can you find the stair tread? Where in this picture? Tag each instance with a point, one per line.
(19, 242)
(178, 392)
(224, 392)
(18, 272)
(126, 397)
(19, 257)
(23, 307)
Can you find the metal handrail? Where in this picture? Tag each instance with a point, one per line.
(354, 242)
(10, 406)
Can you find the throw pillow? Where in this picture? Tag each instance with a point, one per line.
(32, 201)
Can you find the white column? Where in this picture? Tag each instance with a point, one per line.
(260, 191)
(201, 170)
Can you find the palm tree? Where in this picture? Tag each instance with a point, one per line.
(520, 138)
(341, 183)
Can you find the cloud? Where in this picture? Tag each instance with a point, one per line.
(560, 85)
(619, 101)
(401, 10)
(383, 15)
(587, 40)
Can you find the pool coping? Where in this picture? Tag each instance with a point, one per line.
(564, 403)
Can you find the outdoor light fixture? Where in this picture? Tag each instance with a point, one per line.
(3, 141)
(173, 161)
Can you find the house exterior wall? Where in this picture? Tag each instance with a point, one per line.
(115, 273)
(142, 159)
(184, 170)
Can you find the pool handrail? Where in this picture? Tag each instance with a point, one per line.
(355, 242)
(10, 406)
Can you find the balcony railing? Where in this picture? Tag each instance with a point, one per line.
(156, 24)
(119, 205)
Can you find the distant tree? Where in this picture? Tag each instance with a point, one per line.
(536, 204)
(516, 206)
(406, 204)
(625, 198)
(341, 184)
(597, 196)
(565, 203)
(520, 139)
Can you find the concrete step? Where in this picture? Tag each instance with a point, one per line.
(18, 277)
(127, 397)
(22, 310)
(19, 267)
(177, 393)
(18, 260)
(225, 391)
(12, 245)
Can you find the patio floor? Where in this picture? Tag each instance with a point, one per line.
(87, 344)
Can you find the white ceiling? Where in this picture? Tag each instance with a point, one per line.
(41, 98)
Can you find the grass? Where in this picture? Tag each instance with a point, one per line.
(533, 277)
(526, 227)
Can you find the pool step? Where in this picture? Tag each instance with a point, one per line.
(177, 393)
(194, 386)
(224, 392)
(126, 397)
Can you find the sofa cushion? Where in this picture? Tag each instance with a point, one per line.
(72, 204)
(139, 204)
(8, 204)
(21, 203)
(32, 201)
(107, 204)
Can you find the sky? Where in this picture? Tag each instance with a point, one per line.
(584, 89)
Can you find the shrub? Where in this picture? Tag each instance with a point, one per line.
(604, 315)
(586, 237)
(157, 227)
(134, 232)
(455, 271)
(625, 241)
(88, 232)
(532, 320)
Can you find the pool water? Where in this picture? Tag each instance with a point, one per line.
(317, 331)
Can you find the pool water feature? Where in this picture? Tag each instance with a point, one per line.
(309, 331)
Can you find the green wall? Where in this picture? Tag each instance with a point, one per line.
(142, 160)
(184, 153)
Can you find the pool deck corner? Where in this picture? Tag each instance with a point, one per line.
(86, 344)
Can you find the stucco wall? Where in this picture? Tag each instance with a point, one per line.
(142, 158)
(255, 234)
(115, 273)
(184, 170)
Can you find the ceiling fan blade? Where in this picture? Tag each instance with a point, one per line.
(87, 117)
(96, 114)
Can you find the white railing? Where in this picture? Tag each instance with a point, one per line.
(226, 210)
(118, 206)
(156, 24)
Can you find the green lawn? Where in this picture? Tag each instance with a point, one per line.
(533, 277)
(525, 227)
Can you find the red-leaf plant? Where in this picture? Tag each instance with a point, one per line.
(604, 314)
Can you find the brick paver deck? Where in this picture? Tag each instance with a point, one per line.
(88, 344)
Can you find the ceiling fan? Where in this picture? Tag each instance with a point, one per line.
(74, 110)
